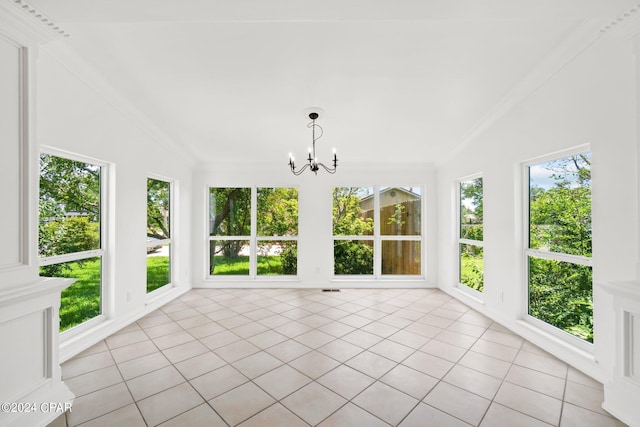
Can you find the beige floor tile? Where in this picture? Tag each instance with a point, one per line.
(315, 320)
(340, 350)
(485, 364)
(458, 403)
(456, 338)
(336, 329)
(171, 340)
(120, 340)
(443, 350)
(574, 416)
(274, 321)
(96, 348)
(288, 350)
(584, 396)
(428, 364)
(423, 329)
(133, 351)
(194, 321)
(234, 321)
(352, 415)
(126, 416)
(83, 365)
(241, 403)
(380, 329)
(282, 381)
(169, 404)
(293, 329)
(371, 364)
(467, 329)
(199, 365)
(409, 381)
(355, 320)
(257, 364)
(314, 364)
(504, 338)
(544, 364)
(313, 403)
(183, 314)
(576, 376)
(154, 382)
(215, 383)
(476, 382)
(275, 415)
(392, 350)
(60, 421)
(267, 339)
(164, 329)
(98, 403)
(219, 339)
(396, 321)
(236, 351)
(249, 330)
(500, 416)
(94, 380)
(537, 381)
(424, 415)
(314, 339)
(386, 402)
(532, 403)
(440, 322)
(345, 381)
(258, 314)
(185, 351)
(205, 330)
(334, 313)
(154, 320)
(498, 351)
(143, 365)
(362, 339)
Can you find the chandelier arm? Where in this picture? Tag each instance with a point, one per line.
(330, 170)
(299, 171)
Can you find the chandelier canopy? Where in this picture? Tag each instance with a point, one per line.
(312, 161)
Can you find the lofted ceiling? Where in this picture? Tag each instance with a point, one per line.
(396, 80)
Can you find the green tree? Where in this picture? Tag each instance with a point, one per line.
(351, 256)
(158, 208)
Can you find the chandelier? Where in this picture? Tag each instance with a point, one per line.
(312, 161)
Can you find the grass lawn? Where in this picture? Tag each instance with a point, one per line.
(158, 272)
(267, 265)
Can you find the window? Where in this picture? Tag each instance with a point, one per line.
(377, 231)
(71, 233)
(559, 250)
(470, 234)
(159, 239)
(253, 231)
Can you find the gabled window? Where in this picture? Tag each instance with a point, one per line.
(159, 237)
(377, 231)
(253, 231)
(71, 232)
(470, 234)
(559, 272)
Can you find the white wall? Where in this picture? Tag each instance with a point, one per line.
(75, 115)
(315, 244)
(591, 100)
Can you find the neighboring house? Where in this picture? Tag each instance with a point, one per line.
(389, 196)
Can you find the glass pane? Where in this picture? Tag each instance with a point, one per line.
(353, 257)
(158, 266)
(229, 257)
(277, 211)
(229, 211)
(277, 258)
(401, 257)
(400, 211)
(471, 209)
(158, 209)
(560, 205)
(80, 301)
(352, 211)
(69, 205)
(471, 266)
(561, 294)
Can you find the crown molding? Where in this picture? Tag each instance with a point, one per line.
(26, 24)
(626, 25)
(582, 37)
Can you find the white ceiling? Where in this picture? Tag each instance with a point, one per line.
(401, 80)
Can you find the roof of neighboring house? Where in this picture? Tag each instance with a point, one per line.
(411, 193)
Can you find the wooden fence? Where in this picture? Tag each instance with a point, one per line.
(400, 219)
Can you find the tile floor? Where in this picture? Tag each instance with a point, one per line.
(287, 357)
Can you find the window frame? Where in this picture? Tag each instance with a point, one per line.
(463, 241)
(528, 252)
(171, 240)
(252, 238)
(378, 238)
(102, 252)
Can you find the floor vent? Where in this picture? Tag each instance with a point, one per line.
(331, 290)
